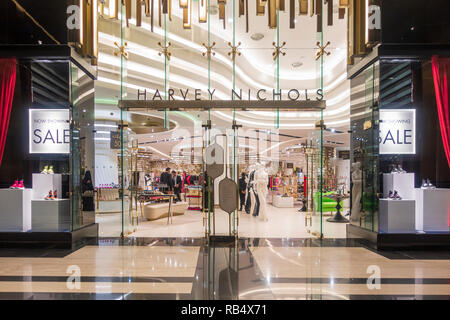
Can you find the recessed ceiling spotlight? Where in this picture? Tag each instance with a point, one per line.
(257, 36)
(297, 64)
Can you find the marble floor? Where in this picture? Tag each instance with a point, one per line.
(282, 222)
(252, 268)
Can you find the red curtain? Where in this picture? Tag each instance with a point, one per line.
(441, 72)
(7, 85)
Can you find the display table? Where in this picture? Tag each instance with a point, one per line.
(338, 218)
(402, 182)
(433, 210)
(397, 216)
(15, 210)
(43, 183)
(50, 215)
(283, 202)
(153, 211)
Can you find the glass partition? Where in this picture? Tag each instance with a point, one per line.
(167, 57)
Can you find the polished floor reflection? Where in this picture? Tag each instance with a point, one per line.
(188, 268)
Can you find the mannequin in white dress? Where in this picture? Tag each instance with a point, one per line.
(261, 179)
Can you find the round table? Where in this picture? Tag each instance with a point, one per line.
(338, 218)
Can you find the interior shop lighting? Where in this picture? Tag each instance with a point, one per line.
(157, 73)
(223, 59)
(223, 80)
(105, 125)
(338, 57)
(202, 11)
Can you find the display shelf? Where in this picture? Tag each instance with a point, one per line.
(194, 196)
(15, 210)
(433, 210)
(283, 202)
(397, 216)
(44, 182)
(50, 215)
(403, 183)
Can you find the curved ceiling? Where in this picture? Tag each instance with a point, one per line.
(254, 69)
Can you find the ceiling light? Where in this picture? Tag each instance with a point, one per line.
(297, 64)
(257, 36)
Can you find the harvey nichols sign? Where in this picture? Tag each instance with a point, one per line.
(239, 94)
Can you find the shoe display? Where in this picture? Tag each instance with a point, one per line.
(20, 185)
(55, 195)
(49, 196)
(394, 169)
(400, 169)
(426, 184)
(50, 170)
(15, 185)
(397, 196)
(391, 195)
(45, 170)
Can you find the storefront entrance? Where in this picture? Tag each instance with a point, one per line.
(286, 173)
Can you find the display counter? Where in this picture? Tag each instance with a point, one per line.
(15, 210)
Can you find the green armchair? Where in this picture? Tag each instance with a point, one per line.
(328, 205)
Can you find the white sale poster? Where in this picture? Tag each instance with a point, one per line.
(49, 131)
(397, 131)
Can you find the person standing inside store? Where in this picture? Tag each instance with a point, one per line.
(87, 189)
(176, 185)
(242, 190)
(166, 181)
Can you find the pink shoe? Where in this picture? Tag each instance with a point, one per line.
(20, 185)
(15, 185)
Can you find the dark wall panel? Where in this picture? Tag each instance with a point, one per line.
(413, 21)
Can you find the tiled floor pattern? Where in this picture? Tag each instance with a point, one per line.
(282, 222)
(183, 268)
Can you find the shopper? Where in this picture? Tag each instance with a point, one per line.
(242, 190)
(166, 181)
(176, 185)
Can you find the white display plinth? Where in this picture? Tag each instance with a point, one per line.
(397, 216)
(402, 182)
(43, 183)
(283, 202)
(50, 215)
(15, 210)
(433, 210)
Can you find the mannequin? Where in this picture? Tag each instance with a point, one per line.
(356, 191)
(251, 189)
(261, 177)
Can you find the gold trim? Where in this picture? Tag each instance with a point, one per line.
(302, 7)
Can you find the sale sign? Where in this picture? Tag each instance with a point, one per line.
(49, 131)
(397, 131)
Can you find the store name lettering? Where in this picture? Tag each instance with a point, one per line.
(260, 95)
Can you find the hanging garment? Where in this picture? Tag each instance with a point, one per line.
(248, 203)
(256, 210)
